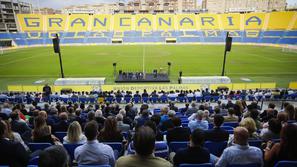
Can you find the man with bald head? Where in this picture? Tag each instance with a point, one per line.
(240, 153)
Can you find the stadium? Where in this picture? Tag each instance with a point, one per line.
(135, 83)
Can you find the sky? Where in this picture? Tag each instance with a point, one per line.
(58, 4)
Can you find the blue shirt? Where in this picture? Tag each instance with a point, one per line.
(195, 124)
(238, 154)
(94, 153)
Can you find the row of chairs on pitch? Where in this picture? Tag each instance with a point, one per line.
(29, 100)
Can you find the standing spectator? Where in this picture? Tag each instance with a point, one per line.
(198, 122)
(286, 150)
(217, 133)
(74, 134)
(195, 153)
(241, 153)
(144, 144)
(93, 152)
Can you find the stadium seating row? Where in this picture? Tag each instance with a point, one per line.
(210, 36)
(153, 22)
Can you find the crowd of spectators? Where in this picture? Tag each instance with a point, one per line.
(93, 124)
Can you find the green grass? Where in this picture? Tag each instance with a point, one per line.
(259, 63)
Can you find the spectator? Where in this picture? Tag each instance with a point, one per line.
(6, 109)
(266, 115)
(142, 119)
(63, 123)
(53, 156)
(282, 117)
(178, 133)
(164, 114)
(198, 122)
(250, 125)
(195, 153)
(291, 113)
(110, 132)
(273, 130)
(11, 153)
(144, 144)
(18, 125)
(168, 123)
(74, 134)
(193, 109)
(14, 136)
(254, 114)
(231, 117)
(42, 132)
(93, 152)
(99, 118)
(152, 125)
(120, 125)
(241, 153)
(286, 150)
(217, 133)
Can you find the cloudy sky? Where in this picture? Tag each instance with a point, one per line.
(57, 4)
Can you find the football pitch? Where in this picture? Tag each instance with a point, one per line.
(257, 63)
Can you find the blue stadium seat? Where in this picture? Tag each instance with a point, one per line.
(256, 143)
(70, 149)
(38, 146)
(60, 135)
(145, 99)
(245, 165)
(216, 148)
(196, 165)
(161, 149)
(174, 146)
(232, 124)
(286, 164)
(137, 100)
(227, 127)
(34, 161)
(115, 146)
(79, 165)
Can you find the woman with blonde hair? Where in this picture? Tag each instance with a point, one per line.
(250, 125)
(74, 134)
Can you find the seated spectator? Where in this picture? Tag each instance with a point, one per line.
(168, 123)
(142, 118)
(152, 125)
(18, 125)
(99, 118)
(144, 144)
(240, 153)
(286, 150)
(266, 115)
(14, 136)
(195, 153)
(198, 122)
(74, 134)
(110, 132)
(254, 114)
(250, 125)
(283, 118)
(42, 132)
(217, 133)
(126, 120)
(6, 109)
(231, 117)
(120, 125)
(273, 130)
(291, 113)
(49, 122)
(11, 153)
(53, 156)
(63, 123)
(164, 114)
(93, 152)
(178, 133)
(193, 109)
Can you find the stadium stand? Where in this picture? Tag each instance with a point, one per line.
(267, 28)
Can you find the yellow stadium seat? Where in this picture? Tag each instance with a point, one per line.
(144, 22)
(78, 23)
(165, 22)
(56, 22)
(186, 22)
(279, 20)
(254, 21)
(30, 22)
(123, 22)
(101, 22)
(230, 21)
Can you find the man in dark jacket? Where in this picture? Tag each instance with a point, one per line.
(178, 133)
(217, 133)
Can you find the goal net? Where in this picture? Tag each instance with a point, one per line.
(290, 48)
